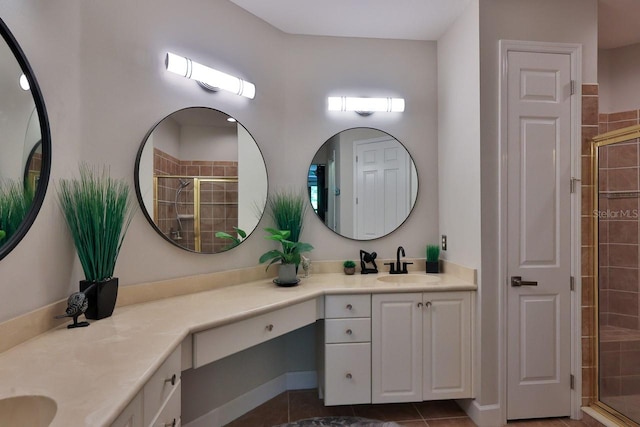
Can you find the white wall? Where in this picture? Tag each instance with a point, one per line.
(619, 79)
(208, 143)
(252, 180)
(568, 21)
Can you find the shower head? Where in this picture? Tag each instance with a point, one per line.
(183, 182)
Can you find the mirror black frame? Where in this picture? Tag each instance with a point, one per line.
(321, 220)
(45, 134)
(143, 208)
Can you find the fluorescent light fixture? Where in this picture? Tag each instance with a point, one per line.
(208, 77)
(366, 106)
(24, 83)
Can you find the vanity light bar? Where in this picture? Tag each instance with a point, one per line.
(208, 77)
(366, 105)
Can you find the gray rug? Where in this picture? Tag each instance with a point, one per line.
(339, 422)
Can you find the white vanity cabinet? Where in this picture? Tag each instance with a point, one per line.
(421, 346)
(158, 404)
(347, 350)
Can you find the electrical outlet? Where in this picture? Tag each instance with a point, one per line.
(444, 242)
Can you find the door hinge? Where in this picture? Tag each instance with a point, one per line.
(356, 200)
(356, 159)
(572, 381)
(574, 182)
(572, 283)
(573, 87)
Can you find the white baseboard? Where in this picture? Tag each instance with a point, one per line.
(242, 404)
(482, 415)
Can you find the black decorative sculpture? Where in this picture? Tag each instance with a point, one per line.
(366, 257)
(77, 304)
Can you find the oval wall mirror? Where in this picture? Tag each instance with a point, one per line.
(362, 183)
(26, 144)
(201, 180)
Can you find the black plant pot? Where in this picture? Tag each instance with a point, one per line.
(433, 266)
(102, 298)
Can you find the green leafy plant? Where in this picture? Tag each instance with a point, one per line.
(98, 211)
(235, 240)
(2, 234)
(349, 264)
(433, 253)
(287, 208)
(15, 203)
(291, 251)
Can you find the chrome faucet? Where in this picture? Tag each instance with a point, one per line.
(399, 267)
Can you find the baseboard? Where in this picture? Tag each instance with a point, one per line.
(482, 415)
(242, 404)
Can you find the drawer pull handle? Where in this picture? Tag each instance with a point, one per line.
(419, 305)
(171, 380)
(427, 304)
(349, 307)
(269, 327)
(349, 332)
(171, 424)
(349, 376)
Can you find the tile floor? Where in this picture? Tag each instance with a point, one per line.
(300, 404)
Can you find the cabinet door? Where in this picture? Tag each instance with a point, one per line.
(396, 348)
(447, 345)
(348, 374)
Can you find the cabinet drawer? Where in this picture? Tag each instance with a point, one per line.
(337, 306)
(161, 385)
(348, 374)
(347, 330)
(171, 412)
(216, 343)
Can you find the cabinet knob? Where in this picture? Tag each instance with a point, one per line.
(269, 327)
(419, 305)
(349, 307)
(171, 424)
(349, 376)
(171, 380)
(348, 332)
(427, 304)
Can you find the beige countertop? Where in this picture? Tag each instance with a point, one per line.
(92, 373)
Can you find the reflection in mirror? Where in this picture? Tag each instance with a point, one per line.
(199, 172)
(617, 205)
(26, 144)
(362, 183)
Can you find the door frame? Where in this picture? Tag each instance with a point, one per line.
(575, 53)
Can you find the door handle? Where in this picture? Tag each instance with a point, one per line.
(517, 281)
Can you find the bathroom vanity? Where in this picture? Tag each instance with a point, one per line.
(125, 370)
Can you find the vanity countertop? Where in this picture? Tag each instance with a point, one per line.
(93, 373)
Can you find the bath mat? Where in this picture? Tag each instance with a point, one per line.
(339, 422)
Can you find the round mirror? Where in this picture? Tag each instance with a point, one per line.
(201, 180)
(26, 144)
(362, 183)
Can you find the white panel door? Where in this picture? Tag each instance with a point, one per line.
(538, 235)
(382, 187)
(396, 348)
(447, 345)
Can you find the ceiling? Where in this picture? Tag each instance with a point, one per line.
(387, 19)
(618, 23)
(413, 19)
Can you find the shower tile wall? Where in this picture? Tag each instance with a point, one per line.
(218, 200)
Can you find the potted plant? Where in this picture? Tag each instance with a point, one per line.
(287, 208)
(98, 211)
(349, 267)
(235, 240)
(433, 255)
(289, 256)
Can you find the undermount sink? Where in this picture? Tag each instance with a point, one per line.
(408, 278)
(32, 411)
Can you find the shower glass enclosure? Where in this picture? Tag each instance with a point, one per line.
(616, 174)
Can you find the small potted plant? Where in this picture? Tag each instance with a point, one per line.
(98, 211)
(433, 255)
(349, 267)
(289, 257)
